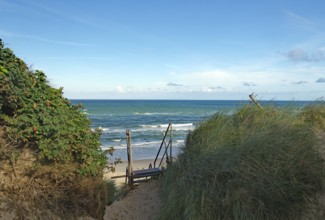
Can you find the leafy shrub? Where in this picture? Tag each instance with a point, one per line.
(254, 164)
(37, 115)
(51, 163)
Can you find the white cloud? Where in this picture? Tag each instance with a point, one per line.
(213, 74)
(298, 19)
(321, 80)
(208, 89)
(120, 89)
(249, 84)
(210, 78)
(300, 82)
(299, 54)
(173, 84)
(216, 87)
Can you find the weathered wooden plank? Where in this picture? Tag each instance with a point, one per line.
(153, 170)
(140, 181)
(146, 172)
(120, 176)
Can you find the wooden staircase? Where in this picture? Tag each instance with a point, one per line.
(136, 176)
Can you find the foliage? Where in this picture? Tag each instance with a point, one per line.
(315, 115)
(51, 163)
(254, 164)
(35, 114)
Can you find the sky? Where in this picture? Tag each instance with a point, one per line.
(172, 49)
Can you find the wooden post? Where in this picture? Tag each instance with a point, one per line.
(171, 143)
(129, 152)
(256, 103)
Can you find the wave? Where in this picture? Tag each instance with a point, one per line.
(180, 141)
(113, 130)
(152, 113)
(104, 129)
(117, 140)
(145, 144)
(150, 128)
(177, 127)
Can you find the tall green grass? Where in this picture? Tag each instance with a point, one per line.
(254, 164)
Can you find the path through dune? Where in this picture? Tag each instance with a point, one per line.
(141, 203)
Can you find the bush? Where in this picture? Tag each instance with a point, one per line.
(51, 163)
(37, 115)
(254, 164)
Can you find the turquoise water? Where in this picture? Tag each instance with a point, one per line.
(148, 119)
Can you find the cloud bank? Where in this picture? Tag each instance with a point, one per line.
(300, 82)
(173, 84)
(321, 80)
(249, 84)
(300, 55)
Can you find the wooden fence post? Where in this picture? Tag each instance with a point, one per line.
(129, 152)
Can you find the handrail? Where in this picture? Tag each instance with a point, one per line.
(130, 175)
(162, 143)
(166, 150)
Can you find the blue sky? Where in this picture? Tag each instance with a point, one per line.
(172, 49)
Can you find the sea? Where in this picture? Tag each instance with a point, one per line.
(147, 121)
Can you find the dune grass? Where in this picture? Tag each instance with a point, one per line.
(254, 164)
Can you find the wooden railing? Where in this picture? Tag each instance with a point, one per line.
(169, 158)
(135, 176)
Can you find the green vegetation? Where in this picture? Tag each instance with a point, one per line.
(36, 113)
(255, 164)
(48, 145)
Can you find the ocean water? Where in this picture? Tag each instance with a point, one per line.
(148, 119)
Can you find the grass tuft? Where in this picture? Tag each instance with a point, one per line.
(253, 164)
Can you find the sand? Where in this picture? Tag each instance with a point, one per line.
(5, 214)
(142, 202)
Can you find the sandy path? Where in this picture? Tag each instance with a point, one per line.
(141, 203)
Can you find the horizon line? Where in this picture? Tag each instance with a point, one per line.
(103, 99)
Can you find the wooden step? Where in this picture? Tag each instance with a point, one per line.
(140, 181)
(146, 173)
